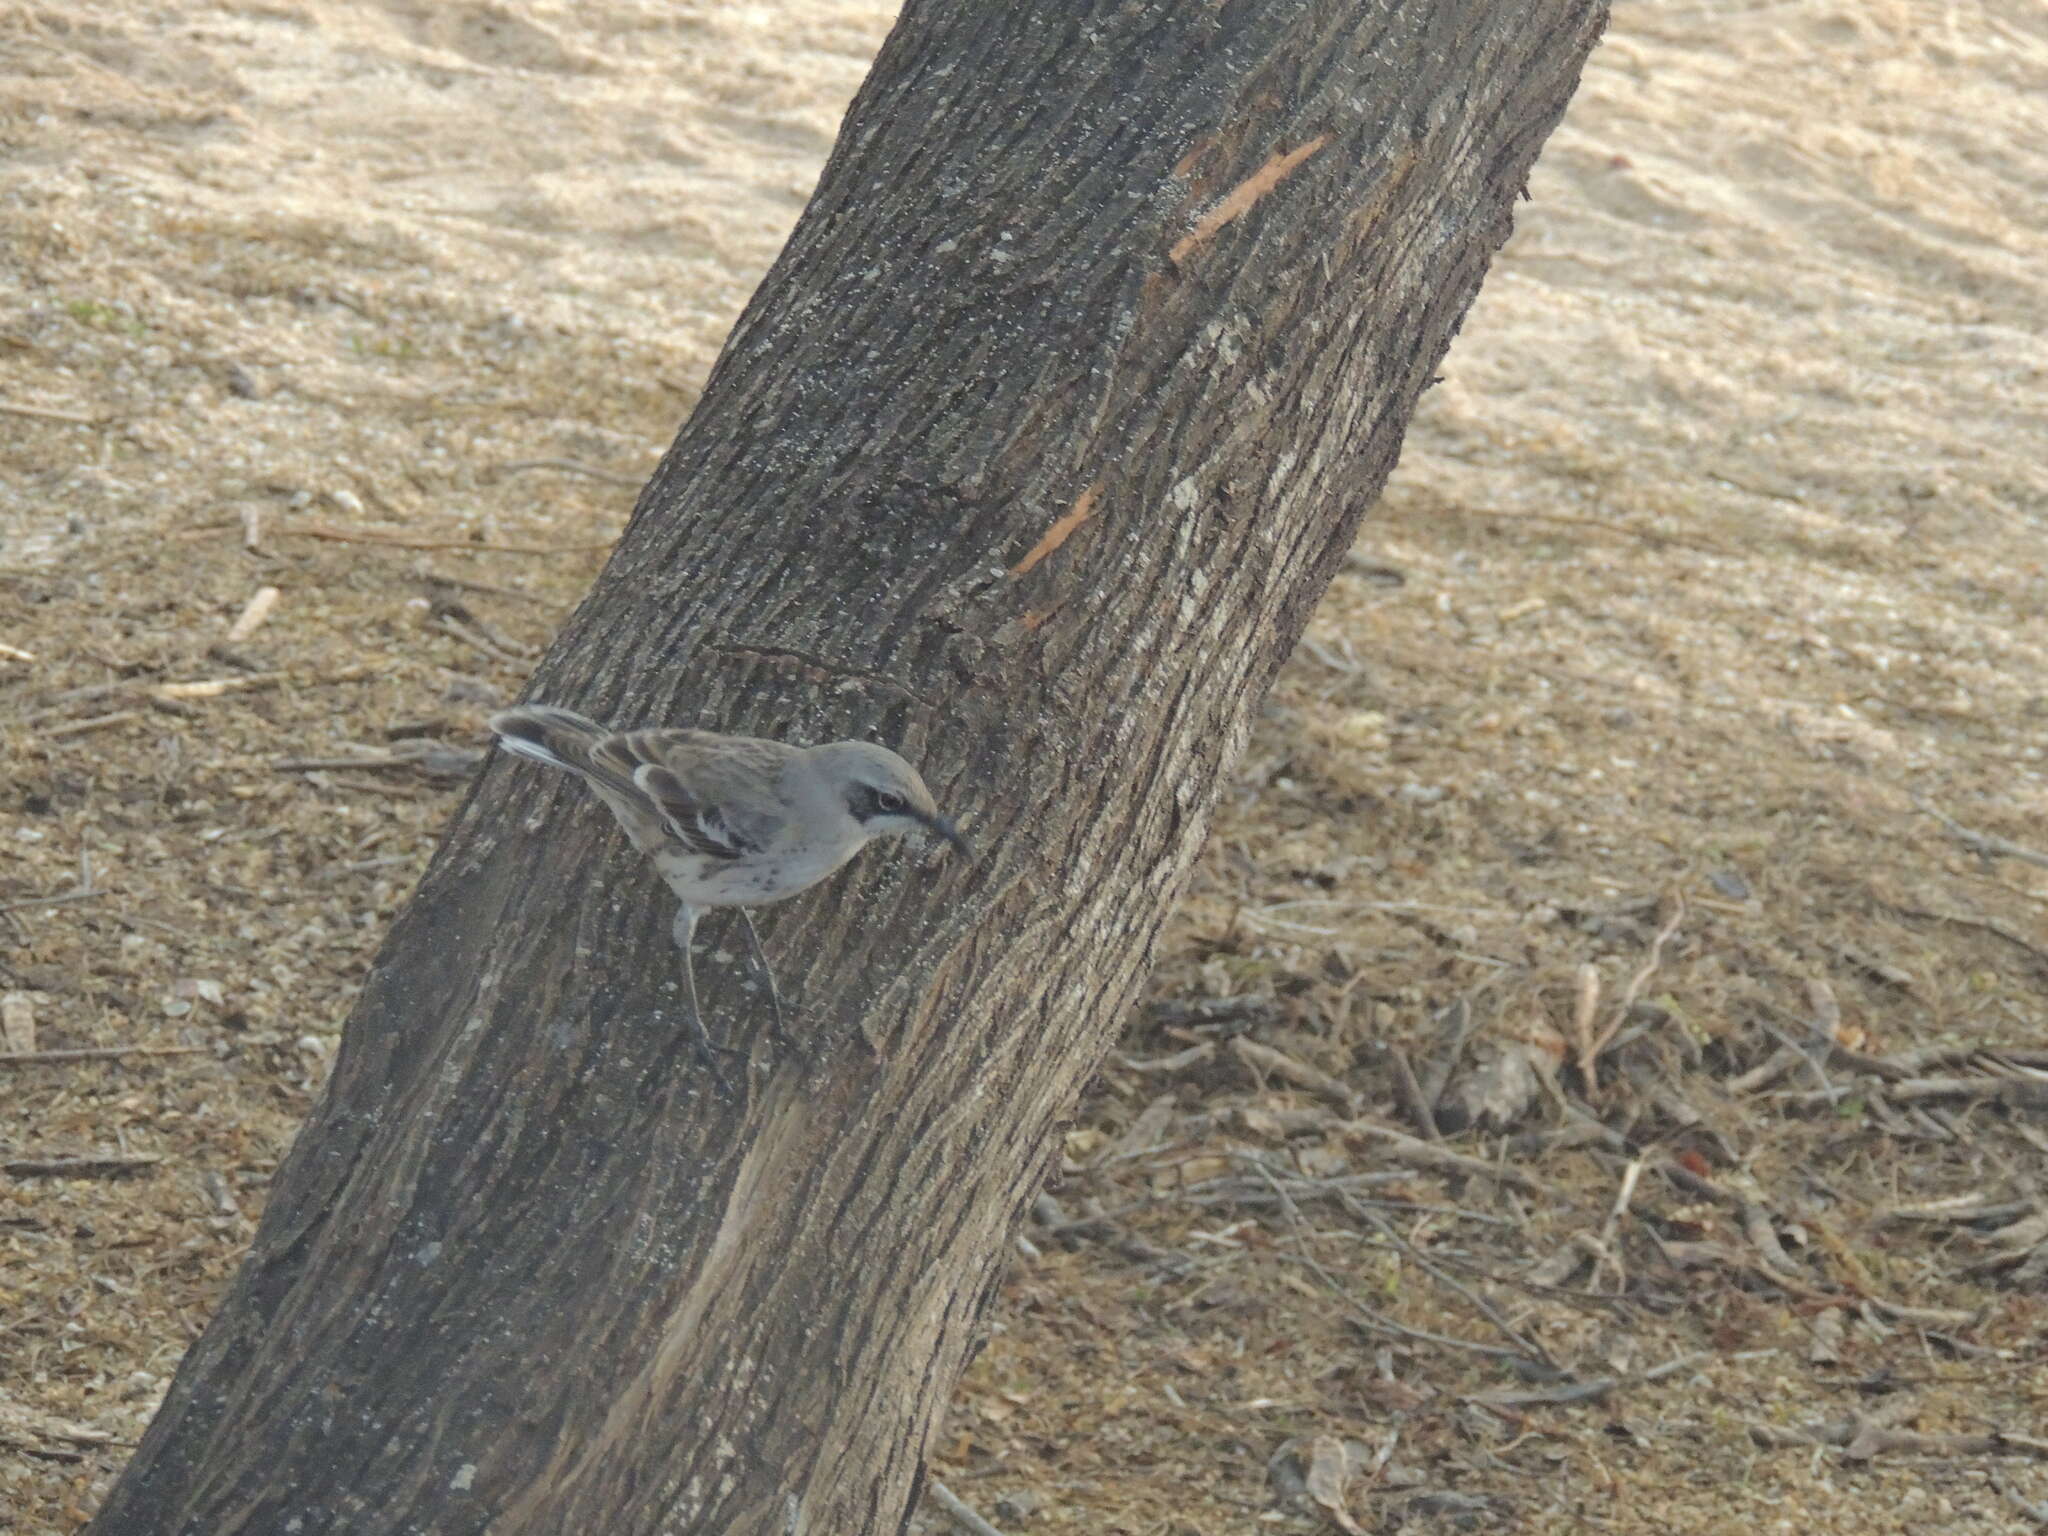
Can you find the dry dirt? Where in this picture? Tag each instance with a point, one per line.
(1713, 572)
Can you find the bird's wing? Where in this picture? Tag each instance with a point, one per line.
(713, 797)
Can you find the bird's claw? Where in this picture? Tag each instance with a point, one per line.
(708, 1054)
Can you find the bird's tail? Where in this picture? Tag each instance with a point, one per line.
(560, 738)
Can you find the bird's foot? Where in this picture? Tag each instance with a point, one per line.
(708, 1053)
(778, 1028)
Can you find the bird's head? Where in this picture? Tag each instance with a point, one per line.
(882, 792)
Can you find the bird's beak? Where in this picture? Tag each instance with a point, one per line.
(949, 832)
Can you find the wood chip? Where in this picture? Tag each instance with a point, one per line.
(214, 687)
(95, 723)
(1176, 1062)
(254, 612)
(1333, 1465)
(1825, 1347)
(18, 1022)
(1146, 1134)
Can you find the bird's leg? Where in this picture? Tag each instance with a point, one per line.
(683, 931)
(776, 1029)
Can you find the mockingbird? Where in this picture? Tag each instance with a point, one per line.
(732, 821)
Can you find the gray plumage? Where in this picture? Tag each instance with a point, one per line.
(732, 821)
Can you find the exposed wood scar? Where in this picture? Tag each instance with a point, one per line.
(1193, 157)
(1058, 534)
(1241, 198)
(1384, 191)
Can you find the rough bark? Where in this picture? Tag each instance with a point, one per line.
(1031, 456)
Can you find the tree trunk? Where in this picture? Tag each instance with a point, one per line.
(1030, 457)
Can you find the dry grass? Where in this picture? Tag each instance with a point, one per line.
(1598, 811)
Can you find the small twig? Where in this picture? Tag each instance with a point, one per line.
(1866, 1435)
(1966, 920)
(465, 546)
(1773, 1067)
(1486, 1309)
(1451, 1041)
(136, 921)
(958, 1510)
(360, 867)
(1989, 844)
(1264, 1059)
(1921, 1059)
(56, 703)
(1583, 1391)
(1242, 1192)
(1585, 1008)
(328, 764)
(1370, 1319)
(1641, 979)
(492, 589)
(45, 413)
(434, 761)
(1763, 1236)
(1342, 904)
(2038, 1513)
(96, 1053)
(471, 635)
(1414, 1149)
(1971, 1208)
(1374, 1322)
(1788, 1280)
(1623, 1198)
(1813, 1061)
(1186, 1013)
(1409, 1095)
(214, 687)
(110, 1165)
(2013, 1092)
(1590, 1044)
(95, 723)
(50, 901)
(1177, 1061)
(571, 467)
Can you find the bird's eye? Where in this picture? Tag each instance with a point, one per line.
(888, 803)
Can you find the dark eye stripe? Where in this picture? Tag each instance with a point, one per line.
(866, 802)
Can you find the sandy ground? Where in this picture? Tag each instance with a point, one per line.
(1713, 570)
